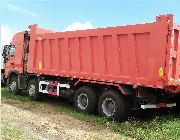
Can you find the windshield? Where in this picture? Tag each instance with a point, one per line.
(11, 52)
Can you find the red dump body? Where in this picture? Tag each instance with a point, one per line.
(140, 55)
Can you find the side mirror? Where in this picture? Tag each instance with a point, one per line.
(4, 51)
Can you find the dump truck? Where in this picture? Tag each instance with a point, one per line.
(112, 70)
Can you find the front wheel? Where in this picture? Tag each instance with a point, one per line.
(113, 106)
(13, 85)
(85, 100)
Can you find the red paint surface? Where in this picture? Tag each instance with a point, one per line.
(52, 93)
(53, 84)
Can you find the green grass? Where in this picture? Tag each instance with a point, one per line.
(161, 127)
(8, 133)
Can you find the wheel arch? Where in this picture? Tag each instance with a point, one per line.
(12, 74)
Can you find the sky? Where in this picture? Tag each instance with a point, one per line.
(63, 15)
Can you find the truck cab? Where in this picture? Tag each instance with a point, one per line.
(13, 57)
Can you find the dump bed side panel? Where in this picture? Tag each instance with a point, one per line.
(127, 54)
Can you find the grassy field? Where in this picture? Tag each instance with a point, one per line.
(164, 126)
(8, 133)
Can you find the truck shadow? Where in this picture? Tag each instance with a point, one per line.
(139, 115)
(150, 114)
(136, 115)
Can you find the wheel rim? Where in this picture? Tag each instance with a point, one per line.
(13, 86)
(108, 107)
(82, 101)
(31, 90)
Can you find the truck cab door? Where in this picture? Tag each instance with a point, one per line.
(9, 61)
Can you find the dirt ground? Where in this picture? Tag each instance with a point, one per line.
(45, 124)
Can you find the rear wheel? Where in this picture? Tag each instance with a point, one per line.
(33, 89)
(13, 85)
(113, 106)
(85, 100)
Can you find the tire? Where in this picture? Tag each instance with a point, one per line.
(113, 106)
(33, 90)
(85, 100)
(13, 85)
(129, 105)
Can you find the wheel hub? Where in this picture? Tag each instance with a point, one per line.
(13, 86)
(31, 90)
(108, 107)
(82, 101)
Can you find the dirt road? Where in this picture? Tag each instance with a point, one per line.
(45, 124)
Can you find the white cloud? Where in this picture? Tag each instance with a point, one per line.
(6, 34)
(16, 8)
(79, 26)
